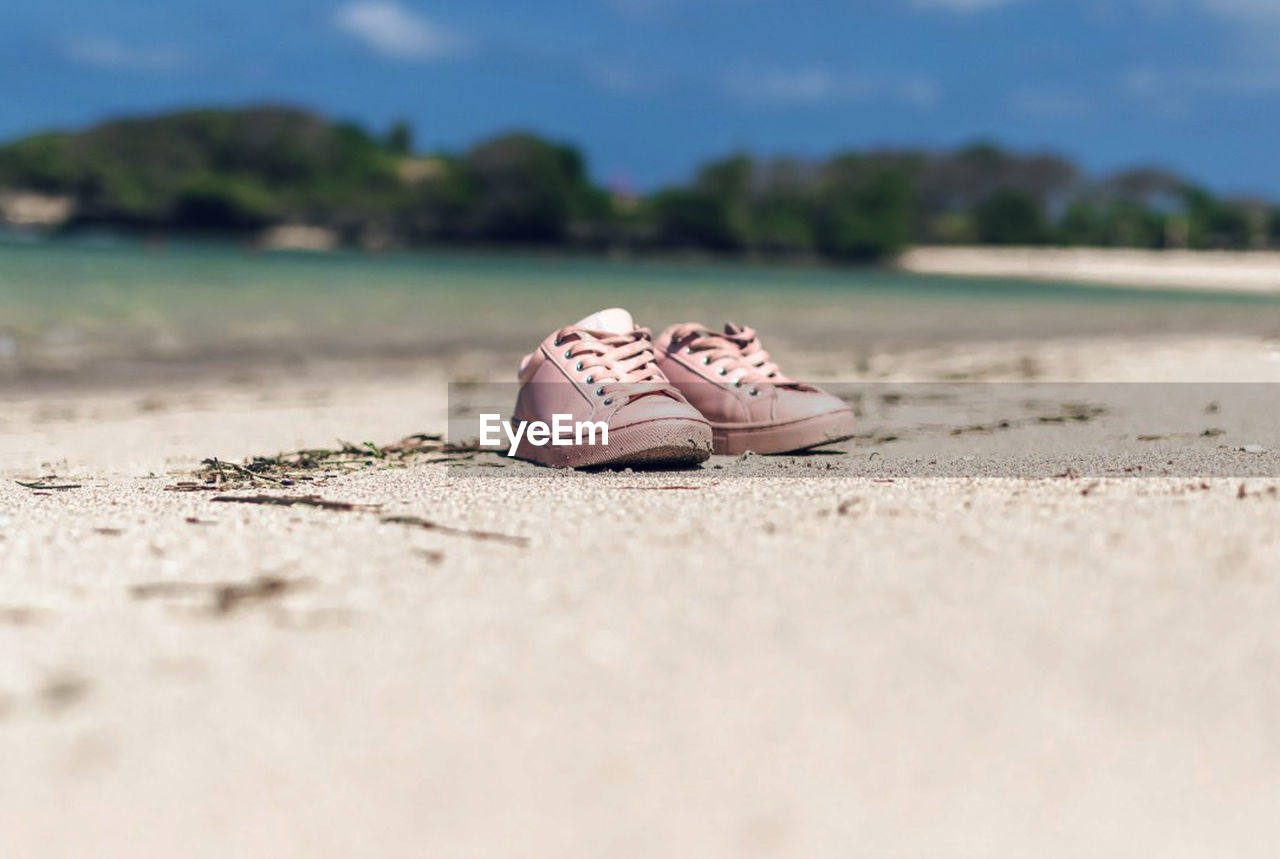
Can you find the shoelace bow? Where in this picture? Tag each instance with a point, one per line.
(617, 362)
(737, 355)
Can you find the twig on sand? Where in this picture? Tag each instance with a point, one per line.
(317, 464)
(216, 464)
(225, 597)
(351, 507)
(193, 486)
(299, 501)
(428, 525)
(229, 597)
(430, 443)
(40, 484)
(674, 487)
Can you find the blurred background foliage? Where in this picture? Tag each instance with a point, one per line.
(236, 172)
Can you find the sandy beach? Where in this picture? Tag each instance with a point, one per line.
(285, 287)
(887, 649)
(1232, 271)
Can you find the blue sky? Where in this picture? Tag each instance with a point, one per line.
(651, 87)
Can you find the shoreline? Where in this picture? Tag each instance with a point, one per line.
(1247, 272)
(1244, 272)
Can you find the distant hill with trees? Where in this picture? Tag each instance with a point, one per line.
(237, 172)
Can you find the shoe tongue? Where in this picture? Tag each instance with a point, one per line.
(615, 320)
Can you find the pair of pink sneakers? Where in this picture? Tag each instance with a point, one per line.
(670, 403)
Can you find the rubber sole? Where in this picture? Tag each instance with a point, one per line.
(667, 442)
(783, 437)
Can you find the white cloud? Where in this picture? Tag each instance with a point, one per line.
(1153, 90)
(813, 86)
(1050, 103)
(796, 86)
(1243, 8)
(922, 92)
(1256, 25)
(1244, 82)
(1252, 17)
(1143, 83)
(1250, 11)
(650, 11)
(639, 10)
(624, 79)
(962, 7)
(1248, 67)
(1154, 85)
(397, 33)
(104, 53)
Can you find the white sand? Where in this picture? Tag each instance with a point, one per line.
(1232, 271)
(785, 666)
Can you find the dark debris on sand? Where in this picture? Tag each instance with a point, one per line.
(316, 464)
(299, 501)
(311, 466)
(46, 485)
(429, 525)
(224, 598)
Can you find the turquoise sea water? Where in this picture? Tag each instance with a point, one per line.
(69, 303)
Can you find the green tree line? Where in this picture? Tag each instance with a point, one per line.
(237, 171)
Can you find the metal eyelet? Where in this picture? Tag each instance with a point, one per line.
(722, 371)
(599, 392)
(590, 379)
(738, 384)
(609, 402)
(566, 352)
(688, 350)
(754, 392)
(558, 341)
(579, 367)
(706, 361)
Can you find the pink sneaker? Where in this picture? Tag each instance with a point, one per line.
(751, 405)
(603, 370)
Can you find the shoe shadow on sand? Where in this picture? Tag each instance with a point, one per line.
(647, 468)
